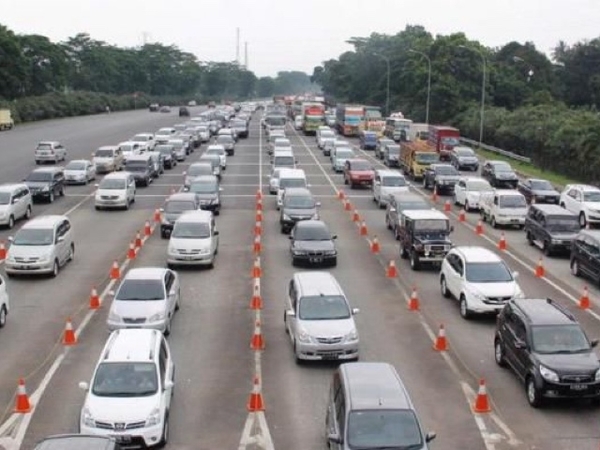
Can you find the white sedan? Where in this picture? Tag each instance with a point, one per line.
(468, 192)
(218, 150)
(80, 171)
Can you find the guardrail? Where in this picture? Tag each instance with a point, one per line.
(491, 148)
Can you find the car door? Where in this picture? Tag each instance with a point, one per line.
(60, 244)
(172, 292)
(572, 200)
(460, 190)
(291, 307)
(455, 274)
(18, 203)
(377, 187)
(512, 331)
(215, 236)
(594, 257)
(166, 369)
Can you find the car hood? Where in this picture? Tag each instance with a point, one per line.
(110, 192)
(503, 289)
(328, 328)
(362, 173)
(299, 212)
(592, 205)
(506, 175)
(37, 184)
(563, 235)
(513, 211)
(190, 244)
(572, 363)
(313, 245)
(390, 190)
(28, 251)
(138, 308)
(207, 196)
(74, 172)
(545, 193)
(102, 159)
(447, 177)
(433, 237)
(468, 159)
(121, 409)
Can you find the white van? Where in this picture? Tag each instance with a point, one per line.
(284, 159)
(15, 203)
(387, 183)
(505, 207)
(194, 240)
(298, 122)
(289, 178)
(108, 158)
(116, 190)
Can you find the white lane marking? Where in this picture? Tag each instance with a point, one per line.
(488, 438)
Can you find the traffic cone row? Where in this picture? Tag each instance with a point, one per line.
(258, 228)
(94, 299)
(341, 195)
(413, 302)
(355, 216)
(584, 300)
(22, 403)
(482, 403)
(447, 206)
(256, 301)
(147, 228)
(441, 344)
(157, 215)
(256, 402)
(502, 242)
(257, 247)
(115, 271)
(256, 269)
(363, 229)
(462, 215)
(479, 228)
(131, 251)
(375, 248)
(259, 216)
(259, 194)
(259, 205)
(392, 272)
(138, 240)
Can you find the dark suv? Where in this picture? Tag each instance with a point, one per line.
(551, 228)
(546, 347)
(297, 204)
(441, 178)
(46, 183)
(585, 255)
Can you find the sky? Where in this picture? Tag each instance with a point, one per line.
(284, 35)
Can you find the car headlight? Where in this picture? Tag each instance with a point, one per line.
(153, 418)
(330, 252)
(113, 317)
(597, 377)
(156, 317)
(299, 252)
(45, 258)
(548, 375)
(476, 295)
(205, 251)
(352, 336)
(303, 336)
(11, 258)
(3, 214)
(286, 217)
(46, 188)
(87, 419)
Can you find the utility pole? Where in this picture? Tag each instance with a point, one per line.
(246, 55)
(237, 45)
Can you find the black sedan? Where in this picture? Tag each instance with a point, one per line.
(500, 174)
(538, 191)
(312, 243)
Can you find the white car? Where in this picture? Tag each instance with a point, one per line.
(324, 136)
(80, 171)
(108, 158)
(204, 133)
(505, 207)
(468, 192)
(131, 148)
(298, 122)
(194, 240)
(274, 181)
(145, 138)
(582, 200)
(479, 279)
(165, 133)
(16, 203)
(130, 392)
(218, 150)
(387, 183)
(116, 190)
(50, 151)
(342, 154)
(4, 302)
(148, 298)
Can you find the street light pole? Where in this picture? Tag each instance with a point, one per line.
(387, 96)
(428, 82)
(482, 90)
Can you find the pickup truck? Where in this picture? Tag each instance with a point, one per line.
(505, 207)
(6, 120)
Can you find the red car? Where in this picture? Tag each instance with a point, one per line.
(358, 172)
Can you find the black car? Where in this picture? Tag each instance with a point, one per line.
(585, 255)
(312, 243)
(542, 342)
(154, 107)
(297, 204)
(184, 112)
(538, 191)
(441, 178)
(500, 174)
(397, 204)
(208, 191)
(46, 183)
(551, 228)
(168, 153)
(464, 158)
(240, 126)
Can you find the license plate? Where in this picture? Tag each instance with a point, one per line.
(330, 357)
(187, 258)
(316, 260)
(122, 438)
(514, 220)
(579, 387)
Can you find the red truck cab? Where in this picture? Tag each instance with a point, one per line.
(443, 139)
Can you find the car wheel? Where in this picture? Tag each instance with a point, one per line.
(529, 238)
(465, 313)
(387, 222)
(534, 396)
(55, 269)
(11, 222)
(402, 250)
(62, 192)
(165, 433)
(51, 197)
(499, 353)
(71, 253)
(582, 220)
(414, 261)
(493, 222)
(467, 206)
(547, 248)
(424, 183)
(444, 287)
(3, 314)
(28, 213)
(298, 360)
(575, 268)
(380, 205)
(168, 327)
(482, 214)
(334, 262)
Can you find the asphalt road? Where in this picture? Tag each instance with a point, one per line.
(211, 333)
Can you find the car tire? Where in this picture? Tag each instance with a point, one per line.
(387, 222)
(51, 197)
(164, 439)
(465, 313)
(582, 220)
(167, 331)
(415, 264)
(534, 396)
(71, 253)
(28, 213)
(529, 238)
(575, 271)
(3, 314)
(11, 222)
(55, 269)
(444, 287)
(493, 222)
(402, 250)
(499, 356)
(425, 185)
(467, 206)
(62, 191)
(334, 262)
(547, 248)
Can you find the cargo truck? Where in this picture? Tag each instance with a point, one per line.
(349, 119)
(6, 120)
(415, 157)
(397, 128)
(374, 121)
(313, 116)
(443, 139)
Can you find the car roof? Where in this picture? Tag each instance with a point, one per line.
(205, 178)
(297, 191)
(507, 192)
(417, 214)
(462, 147)
(553, 210)
(291, 173)
(143, 157)
(133, 344)
(108, 147)
(48, 142)
(582, 187)
(48, 169)
(315, 283)
(215, 146)
(47, 221)
(543, 311)
(198, 164)
(497, 161)
(198, 215)
(146, 273)
(311, 223)
(595, 234)
(389, 173)
(284, 152)
(466, 179)
(477, 254)
(9, 187)
(409, 197)
(436, 165)
(182, 196)
(117, 175)
(76, 442)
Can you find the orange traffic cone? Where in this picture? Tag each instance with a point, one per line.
(413, 302)
(147, 229)
(341, 195)
(363, 229)
(94, 299)
(138, 240)
(22, 404)
(255, 402)
(375, 245)
(115, 271)
(69, 337)
(479, 227)
(434, 195)
(584, 301)
(157, 215)
(257, 247)
(391, 270)
(256, 270)
(257, 342)
(462, 215)
(259, 216)
(482, 403)
(256, 302)
(502, 242)
(2, 251)
(441, 344)
(355, 216)
(539, 269)
(257, 229)
(347, 205)
(447, 206)
(131, 251)
(259, 205)
(258, 194)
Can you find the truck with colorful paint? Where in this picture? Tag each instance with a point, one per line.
(349, 119)
(313, 116)
(374, 120)
(443, 139)
(415, 157)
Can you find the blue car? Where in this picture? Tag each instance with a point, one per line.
(368, 140)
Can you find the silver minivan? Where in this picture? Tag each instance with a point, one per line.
(319, 320)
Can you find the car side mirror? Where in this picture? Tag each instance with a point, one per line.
(334, 237)
(515, 274)
(60, 239)
(355, 310)
(83, 386)
(318, 204)
(334, 437)
(169, 384)
(593, 342)
(430, 436)
(290, 313)
(520, 344)
(15, 200)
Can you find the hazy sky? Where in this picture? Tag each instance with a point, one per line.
(298, 34)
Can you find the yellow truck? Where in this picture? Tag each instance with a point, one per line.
(415, 157)
(6, 120)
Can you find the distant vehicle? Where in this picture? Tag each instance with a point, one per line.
(50, 151)
(183, 112)
(165, 109)
(583, 200)
(538, 191)
(192, 103)
(6, 120)
(500, 174)
(154, 107)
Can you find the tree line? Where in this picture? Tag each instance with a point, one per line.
(541, 107)
(42, 79)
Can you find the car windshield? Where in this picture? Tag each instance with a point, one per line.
(112, 183)
(393, 149)
(393, 181)
(275, 120)
(39, 176)
(559, 339)
(34, 236)
(165, 149)
(214, 151)
(287, 161)
(361, 165)
(104, 153)
(202, 129)
(127, 147)
(224, 139)
(299, 202)
(125, 379)
(213, 160)
(323, 307)
(327, 134)
(429, 158)
(562, 224)
(479, 186)
(199, 169)
(178, 206)
(140, 138)
(591, 196)
(464, 152)
(344, 154)
(384, 429)
(291, 182)
(541, 185)
(204, 187)
(450, 141)
(430, 225)
(502, 167)
(446, 170)
(312, 233)
(413, 205)
(163, 133)
(136, 166)
(191, 230)
(75, 165)
(512, 201)
(140, 290)
(44, 146)
(488, 272)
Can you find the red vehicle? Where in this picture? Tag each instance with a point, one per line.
(358, 172)
(443, 139)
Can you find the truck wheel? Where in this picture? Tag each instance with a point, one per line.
(403, 253)
(493, 222)
(529, 238)
(414, 261)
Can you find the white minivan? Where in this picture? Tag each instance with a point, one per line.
(15, 203)
(387, 183)
(289, 178)
(116, 190)
(194, 240)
